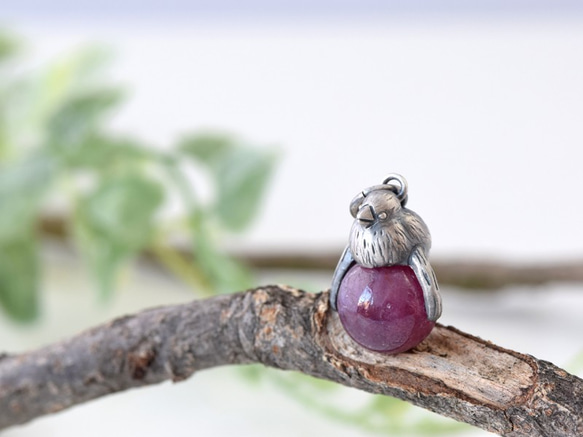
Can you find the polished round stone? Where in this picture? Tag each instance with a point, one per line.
(383, 308)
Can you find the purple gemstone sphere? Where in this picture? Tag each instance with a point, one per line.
(383, 308)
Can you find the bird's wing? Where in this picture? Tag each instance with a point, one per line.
(345, 262)
(416, 229)
(426, 277)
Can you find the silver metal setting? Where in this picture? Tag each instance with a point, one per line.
(385, 233)
(426, 277)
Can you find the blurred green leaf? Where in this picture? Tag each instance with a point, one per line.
(123, 209)
(22, 188)
(241, 184)
(8, 46)
(575, 364)
(114, 222)
(378, 414)
(105, 153)
(239, 173)
(77, 72)
(71, 78)
(19, 276)
(30, 100)
(4, 142)
(78, 119)
(224, 274)
(252, 373)
(208, 148)
(105, 259)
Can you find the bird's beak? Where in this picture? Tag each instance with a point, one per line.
(366, 215)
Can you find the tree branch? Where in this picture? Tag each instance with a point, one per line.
(452, 373)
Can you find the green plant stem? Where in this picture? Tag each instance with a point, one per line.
(381, 415)
(182, 268)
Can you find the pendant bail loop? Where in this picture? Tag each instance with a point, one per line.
(401, 186)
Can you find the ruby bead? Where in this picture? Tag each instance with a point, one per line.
(383, 309)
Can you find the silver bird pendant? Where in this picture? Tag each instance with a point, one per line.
(385, 233)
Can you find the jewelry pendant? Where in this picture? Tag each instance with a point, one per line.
(384, 288)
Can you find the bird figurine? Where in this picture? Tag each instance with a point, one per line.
(388, 246)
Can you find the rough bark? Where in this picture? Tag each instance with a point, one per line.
(451, 373)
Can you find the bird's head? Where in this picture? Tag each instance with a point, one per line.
(376, 208)
(384, 232)
(378, 236)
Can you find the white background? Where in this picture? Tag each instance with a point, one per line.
(483, 117)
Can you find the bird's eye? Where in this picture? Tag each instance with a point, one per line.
(382, 216)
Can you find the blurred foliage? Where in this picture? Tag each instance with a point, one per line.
(376, 414)
(55, 142)
(575, 364)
